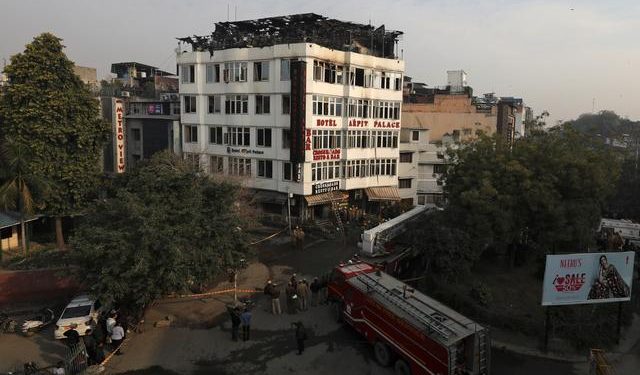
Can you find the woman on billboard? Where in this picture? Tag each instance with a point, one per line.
(609, 283)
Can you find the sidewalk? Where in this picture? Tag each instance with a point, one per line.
(625, 357)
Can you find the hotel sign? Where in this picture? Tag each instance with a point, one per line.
(325, 187)
(118, 120)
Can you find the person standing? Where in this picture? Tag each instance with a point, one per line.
(117, 337)
(91, 345)
(315, 291)
(234, 313)
(301, 336)
(291, 298)
(245, 318)
(275, 300)
(73, 337)
(303, 294)
(110, 323)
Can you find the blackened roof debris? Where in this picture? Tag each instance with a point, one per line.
(299, 28)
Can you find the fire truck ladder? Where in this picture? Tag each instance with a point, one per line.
(432, 323)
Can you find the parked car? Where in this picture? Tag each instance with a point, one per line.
(80, 311)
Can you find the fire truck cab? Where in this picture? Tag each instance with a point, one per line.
(409, 330)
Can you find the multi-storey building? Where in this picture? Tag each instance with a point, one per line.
(301, 106)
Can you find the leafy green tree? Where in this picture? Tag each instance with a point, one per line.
(18, 186)
(52, 116)
(549, 189)
(166, 228)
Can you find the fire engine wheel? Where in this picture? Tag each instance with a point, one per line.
(402, 367)
(382, 353)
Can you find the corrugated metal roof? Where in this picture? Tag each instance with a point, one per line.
(383, 193)
(10, 219)
(314, 200)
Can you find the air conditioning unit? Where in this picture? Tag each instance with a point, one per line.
(125, 94)
(175, 97)
(165, 97)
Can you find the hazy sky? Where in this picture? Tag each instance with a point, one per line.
(558, 55)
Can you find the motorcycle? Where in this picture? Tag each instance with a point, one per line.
(36, 323)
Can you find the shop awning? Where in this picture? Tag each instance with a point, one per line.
(270, 197)
(324, 198)
(383, 193)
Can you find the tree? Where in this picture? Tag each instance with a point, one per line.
(165, 228)
(550, 188)
(52, 116)
(18, 185)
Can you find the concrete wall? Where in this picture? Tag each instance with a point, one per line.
(36, 285)
(447, 114)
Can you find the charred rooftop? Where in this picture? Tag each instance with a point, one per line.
(299, 28)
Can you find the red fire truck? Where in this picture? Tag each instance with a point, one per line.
(408, 329)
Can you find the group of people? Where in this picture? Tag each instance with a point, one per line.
(299, 294)
(240, 317)
(103, 334)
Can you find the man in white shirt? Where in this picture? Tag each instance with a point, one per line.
(59, 369)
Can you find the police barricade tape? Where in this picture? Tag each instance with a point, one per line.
(215, 292)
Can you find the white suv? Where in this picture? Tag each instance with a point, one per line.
(80, 311)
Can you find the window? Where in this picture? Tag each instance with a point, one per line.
(193, 159)
(263, 104)
(358, 139)
(404, 183)
(189, 104)
(235, 71)
(236, 104)
(239, 166)
(136, 135)
(287, 171)
(326, 139)
(406, 157)
(384, 139)
(386, 110)
(214, 103)
(357, 168)
(286, 104)
(188, 73)
(265, 168)
(415, 135)
(285, 70)
(439, 168)
(327, 105)
(191, 134)
(421, 200)
(264, 137)
(216, 164)
(286, 138)
(213, 73)
(239, 136)
(215, 135)
(356, 76)
(325, 170)
(383, 167)
(261, 71)
(327, 72)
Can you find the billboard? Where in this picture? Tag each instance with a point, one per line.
(571, 279)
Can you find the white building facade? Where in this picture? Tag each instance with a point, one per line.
(301, 119)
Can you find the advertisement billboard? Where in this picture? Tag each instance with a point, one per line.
(571, 279)
(118, 120)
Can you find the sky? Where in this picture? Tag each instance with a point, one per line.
(565, 56)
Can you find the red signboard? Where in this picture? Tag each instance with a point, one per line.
(326, 154)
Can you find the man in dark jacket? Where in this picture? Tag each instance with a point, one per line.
(73, 337)
(301, 336)
(234, 313)
(315, 290)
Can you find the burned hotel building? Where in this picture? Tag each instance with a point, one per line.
(298, 106)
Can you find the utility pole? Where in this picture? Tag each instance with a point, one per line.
(289, 196)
